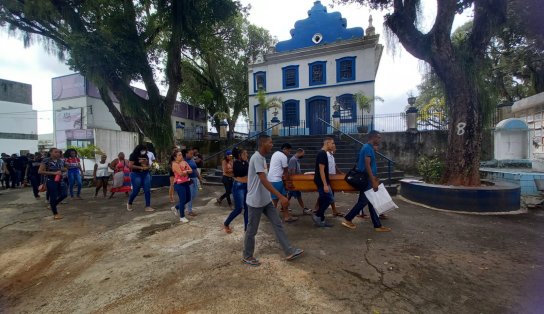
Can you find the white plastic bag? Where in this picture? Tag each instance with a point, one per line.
(381, 200)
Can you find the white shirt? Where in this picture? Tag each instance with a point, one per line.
(332, 163)
(277, 163)
(151, 157)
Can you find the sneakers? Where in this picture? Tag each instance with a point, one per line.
(174, 210)
(251, 261)
(192, 214)
(129, 207)
(348, 224)
(307, 211)
(149, 209)
(296, 253)
(382, 229)
(321, 223)
(57, 217)
(183, 220)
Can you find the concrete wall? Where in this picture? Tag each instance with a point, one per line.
(406, 148)
(18, 128)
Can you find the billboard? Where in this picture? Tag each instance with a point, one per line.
(68, 119)
(69, 86)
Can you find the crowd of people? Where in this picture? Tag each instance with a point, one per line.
(257, 187)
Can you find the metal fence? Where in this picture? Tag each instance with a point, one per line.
(390, 122)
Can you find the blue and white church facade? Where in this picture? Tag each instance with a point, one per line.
(316, 74)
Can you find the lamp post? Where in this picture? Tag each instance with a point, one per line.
(336, 115)
(411, 115)
(275, 121)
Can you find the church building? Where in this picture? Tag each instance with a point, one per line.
(316, 74)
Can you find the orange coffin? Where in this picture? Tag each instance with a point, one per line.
(305, 183)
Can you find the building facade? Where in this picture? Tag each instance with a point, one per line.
(18, 121)
(316, 74)
(81, 118)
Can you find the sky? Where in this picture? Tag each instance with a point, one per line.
(398, 74)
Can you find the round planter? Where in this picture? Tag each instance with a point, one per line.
(160, 180)
(498, 197)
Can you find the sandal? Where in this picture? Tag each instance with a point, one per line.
(251, 261)
(290, 219)
(227, 229)
(338, 214)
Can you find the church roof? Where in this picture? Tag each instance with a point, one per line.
(319, 28)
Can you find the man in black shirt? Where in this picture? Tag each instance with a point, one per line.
(321, 179)
(198, 159)
(31, 174)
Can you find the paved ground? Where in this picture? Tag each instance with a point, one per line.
(103, 259)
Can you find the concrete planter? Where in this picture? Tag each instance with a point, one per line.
(160, 180)
(497, 197)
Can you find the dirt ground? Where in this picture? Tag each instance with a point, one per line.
(103, 259)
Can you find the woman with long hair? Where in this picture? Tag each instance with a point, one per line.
(239, 188)
(182, 170)
(75, 172)
(194, 176)
(172, 176)
(138, 162)
(227, 180)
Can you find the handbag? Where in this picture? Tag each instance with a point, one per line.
(381, 200)
(357, 179)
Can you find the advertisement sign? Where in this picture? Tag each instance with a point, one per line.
(68, 119)
(69, 86)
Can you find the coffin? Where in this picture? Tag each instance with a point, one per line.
(305, 183)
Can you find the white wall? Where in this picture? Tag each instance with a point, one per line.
(18, 118)
(112, 143)
(101, 118)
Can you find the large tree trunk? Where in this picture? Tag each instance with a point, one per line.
(465, 134)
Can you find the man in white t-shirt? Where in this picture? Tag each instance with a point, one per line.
(279, 167)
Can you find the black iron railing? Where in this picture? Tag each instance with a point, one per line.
(390, 162)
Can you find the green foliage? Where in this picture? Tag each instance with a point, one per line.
(431, 168)
(265, 104)
(216, 70)
(160, 168)
(114, 43)
(89, 152)
(364, 102)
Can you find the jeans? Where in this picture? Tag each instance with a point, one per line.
(239, 192)
(324, 201)
(254, 217)
(227, 183)
(16, 178)
(74, 177)
(361, 203)
(194, 191)
(139, 180)
(184, 195)
(35, 183)
(57, 193)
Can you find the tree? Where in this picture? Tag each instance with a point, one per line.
(265, 104)
(456, 66)
(114, 43)
(217, 69)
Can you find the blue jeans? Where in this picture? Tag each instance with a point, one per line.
(74, 177)
(239, 191)
(139, 180)
(324, 201)
(184, 195)
(35, 183)
(57, 193)
(361, 203)
(194, 191)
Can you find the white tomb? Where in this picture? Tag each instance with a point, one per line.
(511, 140)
